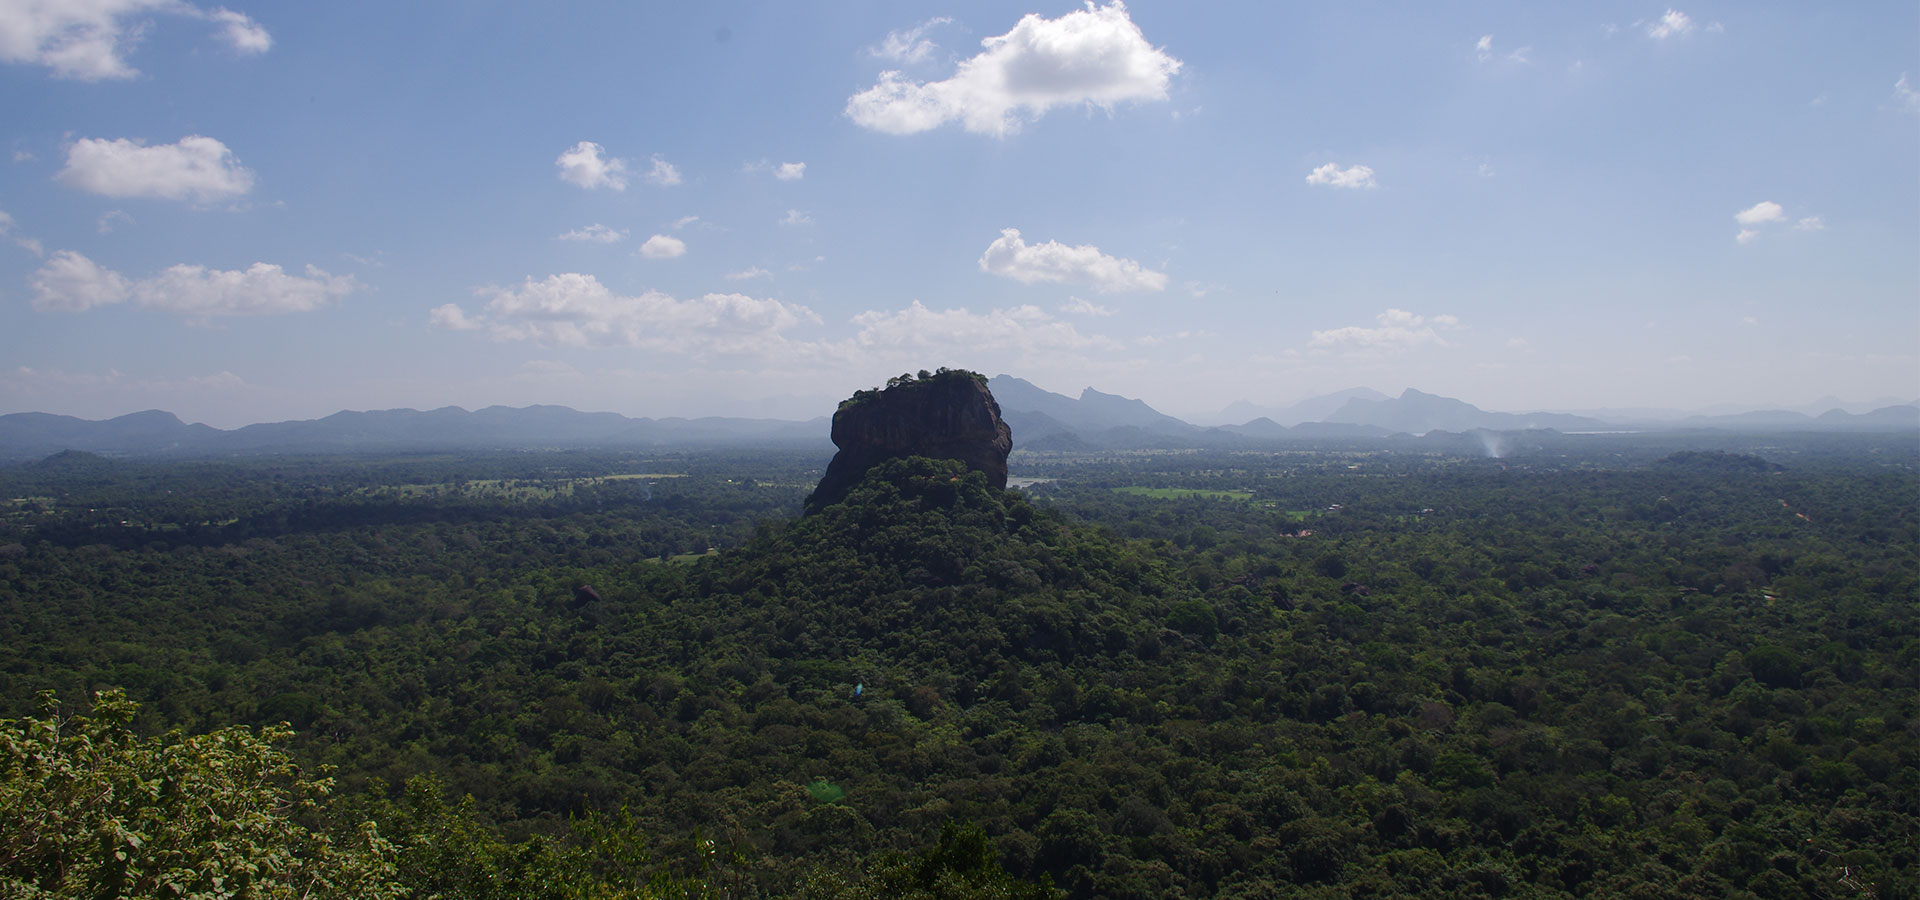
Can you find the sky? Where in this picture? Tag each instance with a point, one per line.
(274, 211)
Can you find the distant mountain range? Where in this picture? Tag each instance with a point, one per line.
(1312, 409)
(150, 433)
(1041, 420)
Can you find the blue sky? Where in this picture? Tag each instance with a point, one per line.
(272, 211)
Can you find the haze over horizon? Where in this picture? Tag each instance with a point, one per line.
(267, 212)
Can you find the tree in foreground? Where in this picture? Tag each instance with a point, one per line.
(93, 810)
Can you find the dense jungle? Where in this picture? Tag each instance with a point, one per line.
(1643, 669)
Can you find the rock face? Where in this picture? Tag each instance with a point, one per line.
(948, 415)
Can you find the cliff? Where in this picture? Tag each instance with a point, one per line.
(946, 415)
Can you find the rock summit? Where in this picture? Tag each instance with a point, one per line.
(948, 414)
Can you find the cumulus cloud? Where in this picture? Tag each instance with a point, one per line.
(1768, 214)
(105, 223)
(577, 310)
(1397, 330)
(26, 243)
(1021, 329)
(88, 40)
(1094, 57)
(70, 282)
(1332, 175)
(260, 289)
(595, 234)
(748, 273)
(796, 217)
(661, 246)
(195, 168)
(1483, 48)
(241, 33)
(1011, 257)
(451, 317)
(1764, 211)
(1082, 307)
(1674, 24)
(663, 173)
(910, 46)
(793, 171)
(587, 165)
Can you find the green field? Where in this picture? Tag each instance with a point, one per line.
(1184, 493)
(520, 489)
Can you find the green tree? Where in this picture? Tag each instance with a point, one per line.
(93, 810)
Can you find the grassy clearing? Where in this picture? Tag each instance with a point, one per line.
(520, 489)
(1184, 493)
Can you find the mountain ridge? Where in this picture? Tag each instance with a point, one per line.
(1041, 420)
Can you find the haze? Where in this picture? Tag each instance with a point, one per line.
(275, 211)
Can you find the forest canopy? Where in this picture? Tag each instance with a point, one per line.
(1327, 673)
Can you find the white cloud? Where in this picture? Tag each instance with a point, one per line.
(87, 39)
(1094, 57)
(1674, 24)
(1010, 257)
(577, 310)
(1483, 48)
(661, 246)
(1810, 223)
(1082, 307)
(1746, 235)
(1749, 320)
(910, 46)
(663, 173)
(1021, 329)
(595, 233)
(1398, 330)
(242, 33)
(1486, 170)
(1516, 343)
(684, 221)
(29, 244)
(104, 224)
(260, 289)
(586, 165)
(1351, 177)
(1906, 95)
(195, 168)
(791, 171)
(748, 273)
(1764, 211)
(796, 217)
(70, 282)
(547, 370)
(451, 317)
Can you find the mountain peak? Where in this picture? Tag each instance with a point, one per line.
(945, 415)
